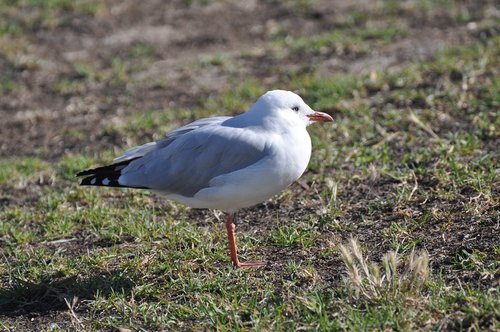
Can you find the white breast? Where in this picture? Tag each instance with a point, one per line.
(287, 160)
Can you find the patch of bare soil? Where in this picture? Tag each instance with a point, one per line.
(40, 119)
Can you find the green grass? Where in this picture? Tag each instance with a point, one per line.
(15, 171)
(45, 14)
(6, 86)
(410, 163)
(352, 42)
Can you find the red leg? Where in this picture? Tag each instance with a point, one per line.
(231, 227)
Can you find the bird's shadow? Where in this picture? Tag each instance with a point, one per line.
(55, 294)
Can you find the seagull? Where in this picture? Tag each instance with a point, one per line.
(223, 163)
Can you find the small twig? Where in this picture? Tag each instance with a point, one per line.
(303, 184)
(74, 317)
(422, 125)
(380, 130)
(218, 215)
(60, 241)
(333, 196)
(387, 138)
(415, 187)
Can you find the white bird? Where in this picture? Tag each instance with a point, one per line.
(224, 163)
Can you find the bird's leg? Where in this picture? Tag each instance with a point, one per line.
(231, 227)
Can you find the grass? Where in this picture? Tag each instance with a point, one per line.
(409, 167)
(147, 267)
(14, 172)
(41, 14)
(385, 283)
(354, 42)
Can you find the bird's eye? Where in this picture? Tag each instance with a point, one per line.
(295, 108)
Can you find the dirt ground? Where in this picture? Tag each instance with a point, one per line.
(47, 119)
(36, 118)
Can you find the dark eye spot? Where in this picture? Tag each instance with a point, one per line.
(295, 108)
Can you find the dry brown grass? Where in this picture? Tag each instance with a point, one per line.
(396, 278)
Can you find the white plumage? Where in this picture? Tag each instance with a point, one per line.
(224, 163)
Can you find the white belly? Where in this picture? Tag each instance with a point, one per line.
(258, 182)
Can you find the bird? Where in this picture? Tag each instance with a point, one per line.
(223, 163)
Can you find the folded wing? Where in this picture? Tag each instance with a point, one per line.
(142, 150)
(189, 162)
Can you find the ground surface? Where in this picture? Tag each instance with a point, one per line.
(411, 163)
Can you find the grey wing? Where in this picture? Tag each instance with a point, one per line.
(189, 163)
(142, 150)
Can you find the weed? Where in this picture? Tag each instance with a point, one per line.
(394, 280)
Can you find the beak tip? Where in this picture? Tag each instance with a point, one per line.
(320, 117)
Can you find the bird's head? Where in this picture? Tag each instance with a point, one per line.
(287, 105)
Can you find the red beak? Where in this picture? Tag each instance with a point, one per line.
(320, 117)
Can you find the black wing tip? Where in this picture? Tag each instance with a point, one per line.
(105, 181)
(116, 167)
(106, 176)
(100, 180)
(95, 171)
